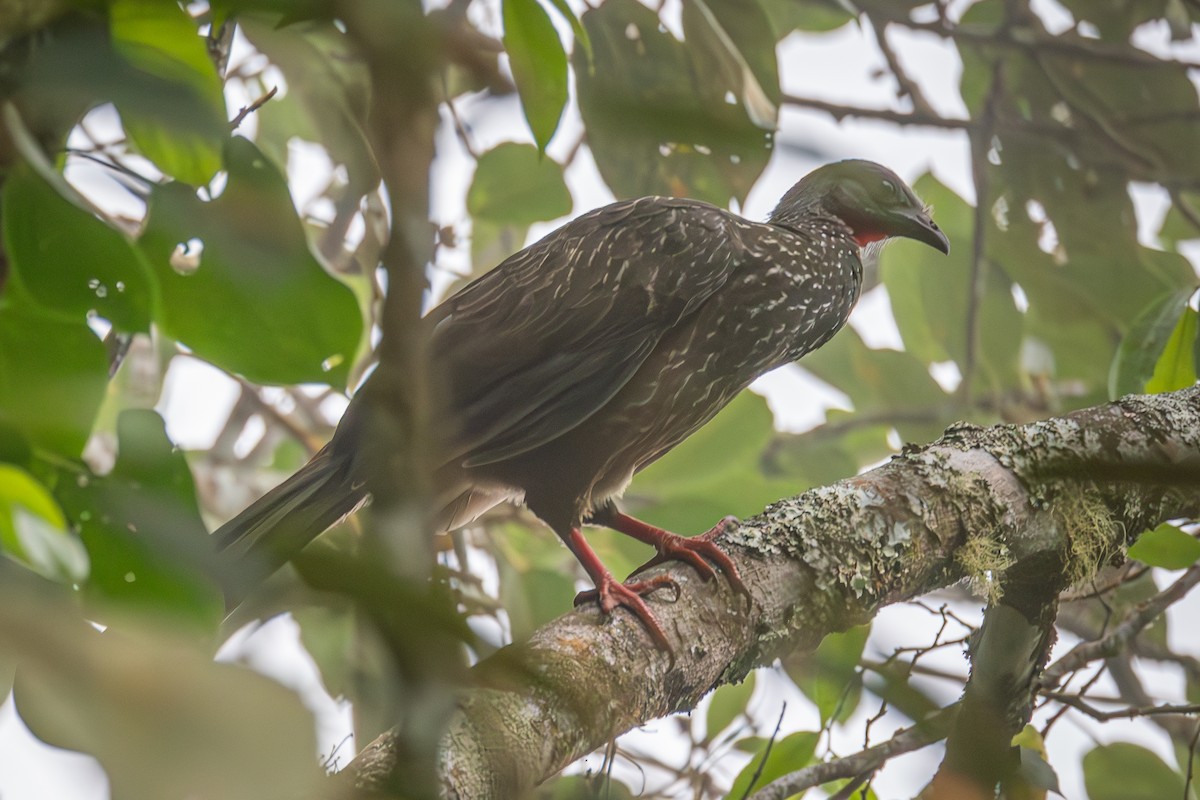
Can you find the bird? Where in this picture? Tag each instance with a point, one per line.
(588, 355)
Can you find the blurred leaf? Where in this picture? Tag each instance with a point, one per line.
(328, 636)
(815, 16)
(1176, 227)
(1139, 352)
(815, 458)
(52, 378)
(536, 577)
(539, 66)
(890, 383)
(1123, 771)
(727, 704)
(1166, 546)
(255, 301)
(491, 244)
(656, 112)
(580, 787)
(829, 676)
(716, 472)
(892, 683)
(716, 27)
(514, 185)
(34, 531)
(1175, 368)
(68, 260)
(326, 100)
(142, 528)
(789, 754)
(160, 38)
(161, 717)
(931, 293)
(581, 36)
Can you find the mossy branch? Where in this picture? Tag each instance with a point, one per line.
(821, 562)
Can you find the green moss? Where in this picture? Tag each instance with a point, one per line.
(1093, 537)
(985, 561)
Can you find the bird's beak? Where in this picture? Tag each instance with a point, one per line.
(918, 224)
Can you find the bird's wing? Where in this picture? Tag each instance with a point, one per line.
(533, 348)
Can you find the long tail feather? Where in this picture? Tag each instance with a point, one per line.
(278, 525)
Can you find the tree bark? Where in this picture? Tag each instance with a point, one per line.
(979, 503)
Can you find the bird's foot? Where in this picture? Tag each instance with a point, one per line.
(613, 594)
(701, 552)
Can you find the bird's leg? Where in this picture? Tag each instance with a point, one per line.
(612, 593)
(696, 550)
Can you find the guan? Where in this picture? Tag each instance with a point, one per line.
(586, 356)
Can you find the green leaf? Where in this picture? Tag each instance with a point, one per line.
(581, 787)
(1146, 340)
(328, 635)
(655, 109)
(829, 676)
(891, 383)
(162, 718)
(514, 185)
(577, 28)
(539, 66)
(33, 529)
(1166, 546)
(716, 472)
(789, 754)
(327, 97)
(1125, 771)
(930, 294)
(52, 378)
(536, 578)
(1175, 368)
(727, 704)
(715, 27)
(141, 525)
(70, 261)
(161, 39)
(817, 16)
(254, 301)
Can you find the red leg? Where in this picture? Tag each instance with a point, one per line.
(696, 550)
(612, 593)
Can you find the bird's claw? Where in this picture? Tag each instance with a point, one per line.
(613, 594)
(701, 552)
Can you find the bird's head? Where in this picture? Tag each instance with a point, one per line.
(869, 198)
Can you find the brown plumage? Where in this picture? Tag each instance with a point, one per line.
(586, 356)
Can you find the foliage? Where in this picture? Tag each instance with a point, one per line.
(1048, 302)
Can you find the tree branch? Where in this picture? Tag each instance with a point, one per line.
(820, 562)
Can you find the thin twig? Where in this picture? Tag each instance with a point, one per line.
(1187, 784)
(1079, 704)
(250, 109)
(766, 754)
(1120, 636)
(981, 143)
(908, 86)
(931, 730)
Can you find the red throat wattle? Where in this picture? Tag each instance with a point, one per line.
(864, 238)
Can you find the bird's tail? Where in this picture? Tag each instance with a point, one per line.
(278, 525)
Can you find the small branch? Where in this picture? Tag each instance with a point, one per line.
(766, 754)
(1111, 644)
(908, 86)
(839, 112)
(1078, 703)
(1185, 208)
(981, 143)
(924, 733)
(250, 109)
